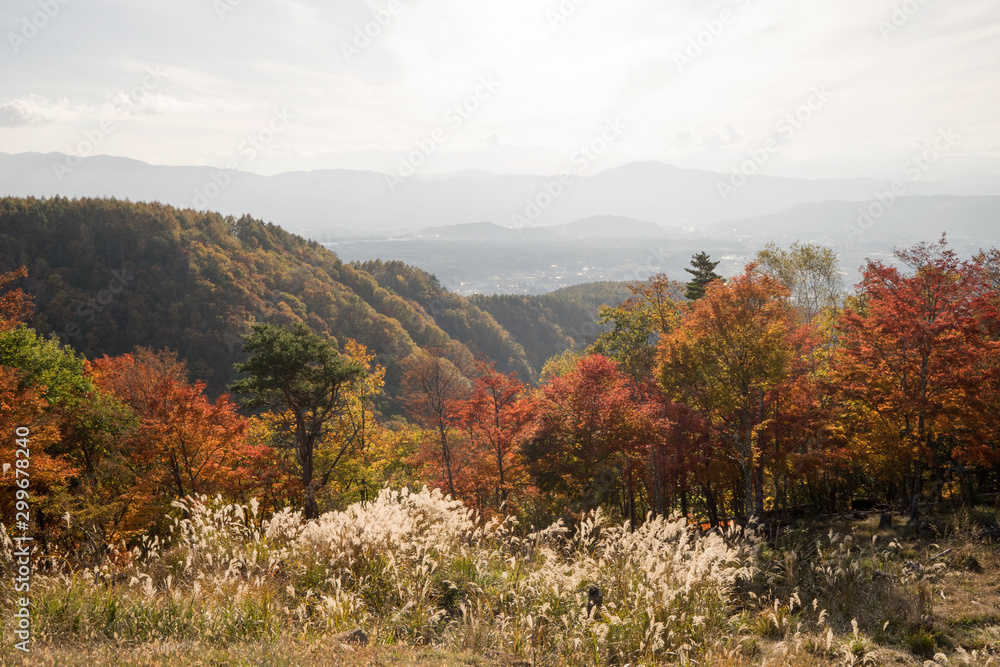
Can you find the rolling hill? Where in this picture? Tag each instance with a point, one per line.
(107, 275)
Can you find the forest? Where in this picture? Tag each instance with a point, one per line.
(161, 358)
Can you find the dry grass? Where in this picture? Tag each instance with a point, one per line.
(432, 584)
(282, 653)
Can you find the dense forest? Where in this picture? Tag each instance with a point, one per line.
(156, 352)
(106, 275)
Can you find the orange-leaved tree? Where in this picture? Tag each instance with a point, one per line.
(727, 359)
(434, 393)
(187, 442)
(497, 418)
(919, 356)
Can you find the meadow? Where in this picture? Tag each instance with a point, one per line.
(431, 583)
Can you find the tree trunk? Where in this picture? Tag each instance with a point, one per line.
(758, 491)
(311, 506)
(631, 500)
(306, 460)
(446, 454)
(713, 509)
(748, 484)
(915, 484)
(657, 482)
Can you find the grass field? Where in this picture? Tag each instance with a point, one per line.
(431, 585)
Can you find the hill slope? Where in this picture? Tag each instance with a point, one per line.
(107, 275)
(547, 324)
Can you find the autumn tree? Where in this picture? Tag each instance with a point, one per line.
(726, 358)
(592, 437)
(15, 305)
(41, 382)
(637, 326)
(434, 394)
(989, 262)
(301, 379)
(810, 272)
(188, 441)
(918, 362)
(362, 467)
(703, 272)
(497, 417)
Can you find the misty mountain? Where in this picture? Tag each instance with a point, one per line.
(474, 231)
(594, 227)
(836, 223)
(330, 204)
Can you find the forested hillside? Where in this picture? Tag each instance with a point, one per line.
(108, 275)
(548, 324)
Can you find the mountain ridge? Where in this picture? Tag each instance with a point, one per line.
(315, 202)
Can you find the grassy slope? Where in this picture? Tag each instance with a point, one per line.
(914, 598)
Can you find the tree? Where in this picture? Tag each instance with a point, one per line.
(727, 357)
(592, 437)
(497, 418)
(703, 270)
(41, 383)
(919, 361)
(187, 442)
(361, 475)
(989, 262)
(811, 272)
(15, 305)
(301, 379)
(638, 324)
(434, 393)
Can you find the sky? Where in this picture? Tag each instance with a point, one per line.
(512, 86)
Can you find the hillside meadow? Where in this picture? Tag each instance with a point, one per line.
(430, 582)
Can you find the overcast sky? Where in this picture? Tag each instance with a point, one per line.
(538, 80)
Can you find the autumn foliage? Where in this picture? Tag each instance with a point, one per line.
(771, 393)
(918, 367)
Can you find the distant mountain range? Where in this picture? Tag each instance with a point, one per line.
(835, 223)
(331, 204)
(594, 227)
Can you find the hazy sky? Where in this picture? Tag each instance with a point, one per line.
(189, 81)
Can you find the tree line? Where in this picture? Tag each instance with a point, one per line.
(770, 391)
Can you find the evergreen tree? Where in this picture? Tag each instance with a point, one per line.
(303, 381)
(703, 272)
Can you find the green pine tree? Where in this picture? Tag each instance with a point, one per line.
(703, 272)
